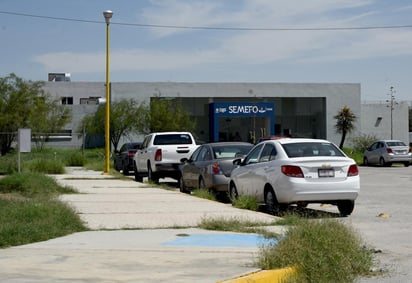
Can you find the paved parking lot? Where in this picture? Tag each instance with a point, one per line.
(383, 217)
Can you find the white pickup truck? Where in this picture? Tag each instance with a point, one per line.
(160, 154)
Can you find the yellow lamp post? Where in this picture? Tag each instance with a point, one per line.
(107, 16)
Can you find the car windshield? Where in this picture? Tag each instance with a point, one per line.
(310, 149)
(395, 143)
(231, 151)
(172, 139)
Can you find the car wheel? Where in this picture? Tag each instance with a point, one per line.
(182, 186)
(346, 207)
(271, 202)
(233, 194)
(137, 177)
(406, 164)
(151, 175)
(202, 185)
(125, 170)
(302, 204)
(365, 161)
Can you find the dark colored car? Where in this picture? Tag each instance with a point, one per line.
(123, 158)
(210, 166)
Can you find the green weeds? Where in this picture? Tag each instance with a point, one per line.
(322, 251)
(30, 212)
(206, 194)
(246, 202)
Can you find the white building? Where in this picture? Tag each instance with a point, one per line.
(298, 109)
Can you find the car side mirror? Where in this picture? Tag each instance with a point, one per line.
(237, 162)
(183, 160)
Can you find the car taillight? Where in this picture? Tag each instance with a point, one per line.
(389, 150)
(292, 171)
(131, 153)
(158, 155)
(215, 168)
(353, 170)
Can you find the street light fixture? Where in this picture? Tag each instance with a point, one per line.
(107, 16)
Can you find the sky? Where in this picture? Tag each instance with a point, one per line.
(290, 41)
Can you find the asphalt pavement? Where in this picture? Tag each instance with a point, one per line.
(138, 233)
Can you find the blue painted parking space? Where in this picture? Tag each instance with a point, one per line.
(221, 240)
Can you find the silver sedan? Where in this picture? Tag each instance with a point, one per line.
(297, 171)
(386, 152)
(210, 166)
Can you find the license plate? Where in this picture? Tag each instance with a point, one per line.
(326, 173)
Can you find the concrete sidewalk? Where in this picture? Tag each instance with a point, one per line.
(157, 243)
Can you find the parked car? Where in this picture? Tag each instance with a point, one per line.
(386, 152)
(297, 171)
(160, 155)
(210, 165)
(261, 139)
(123, 158)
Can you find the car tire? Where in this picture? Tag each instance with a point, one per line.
(365, 161)
(346, 207)
(137, 177)
(233, 194)
(152, 176)
(382, 162)
(406, 164)
(182, 186)
(125, 169)
(272, 205)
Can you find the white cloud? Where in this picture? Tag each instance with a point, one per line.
(248, 47)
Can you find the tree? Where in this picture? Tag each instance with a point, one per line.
(24, 104)
(169, 115)
(48, 116)
(344, 123)
(126, 116)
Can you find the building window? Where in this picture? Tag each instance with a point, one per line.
(90, 100)
(67, 100)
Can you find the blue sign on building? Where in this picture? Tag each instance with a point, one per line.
(239, 109)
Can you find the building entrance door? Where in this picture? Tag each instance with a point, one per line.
(245, 121)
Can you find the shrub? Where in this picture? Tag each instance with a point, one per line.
(321, 251)
(8, 164)
(75, 159)
(362, 142)
(46, 166)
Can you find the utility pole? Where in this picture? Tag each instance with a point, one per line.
(391, 104)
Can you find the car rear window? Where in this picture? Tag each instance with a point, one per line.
(395, 143)
(231, 151)
(310, 149)
(172, 139)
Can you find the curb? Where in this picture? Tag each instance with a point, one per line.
(264, 276)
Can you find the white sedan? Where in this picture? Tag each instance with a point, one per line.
(297, 171)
